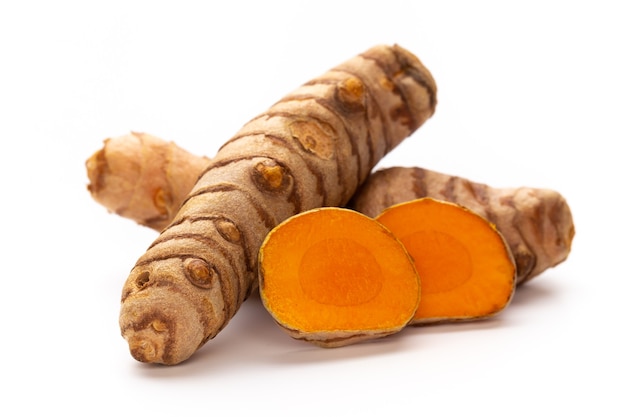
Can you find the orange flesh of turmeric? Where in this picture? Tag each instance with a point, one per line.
(466, 268)
(334, 276)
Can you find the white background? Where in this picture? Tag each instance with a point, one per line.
(530, 93)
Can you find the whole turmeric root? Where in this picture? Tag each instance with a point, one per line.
(536, 223)
(313, 148)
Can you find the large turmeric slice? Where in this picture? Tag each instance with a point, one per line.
(536, 223)
(466, 267)
(312, 148)
(333, 277)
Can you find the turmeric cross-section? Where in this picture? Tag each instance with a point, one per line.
(333, 276)
(466, 266)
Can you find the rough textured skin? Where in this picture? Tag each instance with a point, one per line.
(142, 177)
(312, 148)
(536, 223)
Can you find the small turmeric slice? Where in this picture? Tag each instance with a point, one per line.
(333, 277)
(466, 268)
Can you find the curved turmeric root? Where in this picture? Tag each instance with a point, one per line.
(536, 223)
(312, 148)
(334, 277)
(465, 265)
(142, 177)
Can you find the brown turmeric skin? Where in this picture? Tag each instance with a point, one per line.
(312, 148)
(142, 177)
(345, 278)
(466, 268)
(536, 223)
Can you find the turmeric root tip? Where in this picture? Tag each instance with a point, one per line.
(142, 177)
(333, 277)
(466, 267)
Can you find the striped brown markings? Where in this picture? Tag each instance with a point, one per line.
(525, 259)
(406, 67)
(208, 244)
(301, 129)
(419, 78)
(225, 226)
(368, 103)
(296, 196)
(268, 220)
(418, 183)
(316, 133)
(341, 111)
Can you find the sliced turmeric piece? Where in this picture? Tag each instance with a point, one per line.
(466, 268)
(333, 277)
(536, 223)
